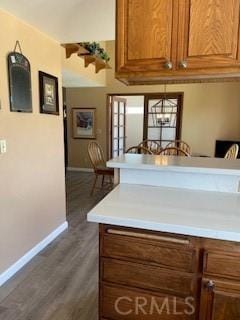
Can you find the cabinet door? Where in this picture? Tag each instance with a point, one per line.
(220, 300)
(146, 35)
(208, 34)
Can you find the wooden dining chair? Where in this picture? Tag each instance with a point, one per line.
(152, 145)
(139, 150)
(96, 156)
(173, 151)
(232, 152)
(180, 144)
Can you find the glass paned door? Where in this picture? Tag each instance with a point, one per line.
(118, 126)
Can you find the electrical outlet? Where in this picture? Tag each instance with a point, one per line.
(3, 146)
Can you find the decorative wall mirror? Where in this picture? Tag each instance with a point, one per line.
(19, 73)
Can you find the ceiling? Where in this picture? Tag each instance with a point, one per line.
(67, 20)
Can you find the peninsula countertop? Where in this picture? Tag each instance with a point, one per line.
(176, 163)
(190, 212)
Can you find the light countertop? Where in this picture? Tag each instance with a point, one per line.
(176, 163)
(191, 212)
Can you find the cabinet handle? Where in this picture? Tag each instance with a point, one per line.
(210, 285)
(183, 64)
(148, 236)
(168, 65)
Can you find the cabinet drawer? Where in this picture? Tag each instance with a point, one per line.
(174, 253)
(148, 277)
(121, 303)
(222, 264)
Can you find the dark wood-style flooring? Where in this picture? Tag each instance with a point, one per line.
(60, 283)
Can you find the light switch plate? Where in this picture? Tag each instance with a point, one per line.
(3, 146)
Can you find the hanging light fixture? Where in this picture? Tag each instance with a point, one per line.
(160, 110)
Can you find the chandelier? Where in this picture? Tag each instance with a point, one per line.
(163, 111)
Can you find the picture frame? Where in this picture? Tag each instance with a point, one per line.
(19, 80)
(84, 123)
(48, 93)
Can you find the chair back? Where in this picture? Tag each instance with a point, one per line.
(180, 144)
(96, 156)
(152, 145)
(232, 152)
(139, 150)
(173, 151)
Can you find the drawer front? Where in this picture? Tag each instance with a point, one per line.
(222, 264)
(119, 303)
(167, 252)
(148, 277)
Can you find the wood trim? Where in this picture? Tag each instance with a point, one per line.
(179, 117)
(108, 127)
(213, 76)
(142, 93)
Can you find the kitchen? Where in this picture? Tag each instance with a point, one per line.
(170, 229)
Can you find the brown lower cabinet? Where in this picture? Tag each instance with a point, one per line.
(155, 275)
(220, 300)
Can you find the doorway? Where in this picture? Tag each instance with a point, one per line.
(65, 124)
(125, 117)
(117, 126)
(133, 118)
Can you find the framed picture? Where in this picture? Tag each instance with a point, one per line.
(84, 123)
(48, 93)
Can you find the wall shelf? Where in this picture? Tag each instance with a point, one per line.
(72, 48)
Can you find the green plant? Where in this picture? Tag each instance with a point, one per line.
(95, 49)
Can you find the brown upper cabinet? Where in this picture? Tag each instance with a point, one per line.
(177, 40)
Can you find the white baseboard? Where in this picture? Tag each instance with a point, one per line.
(7, 274)
(80, 169)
